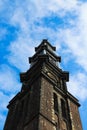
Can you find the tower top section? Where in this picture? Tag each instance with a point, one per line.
(46, 45)
(45, 61)
(47, 50)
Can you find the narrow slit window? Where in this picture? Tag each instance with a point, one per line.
(63, 108)
(55, 102)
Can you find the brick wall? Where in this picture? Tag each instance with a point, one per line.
(46, 106)
(75, 117)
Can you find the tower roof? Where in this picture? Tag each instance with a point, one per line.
(45, 48)
(45, 44)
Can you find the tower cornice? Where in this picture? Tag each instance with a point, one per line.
(43, 60)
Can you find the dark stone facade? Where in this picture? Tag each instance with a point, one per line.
(44, 102)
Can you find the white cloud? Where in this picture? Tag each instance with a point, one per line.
(24, 15)
(74, 36)
(46, 7)
(8, 80)
(78, 86)
(2, 120)
(20, 50)
(62, 6)
(3, 33)
(19, 20)
(4, 100)
(9, 86)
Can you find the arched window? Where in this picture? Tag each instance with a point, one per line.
(63, 108)
(55, 102)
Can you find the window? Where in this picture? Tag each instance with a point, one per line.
(63, 108)
(55, 102)
(63, 85)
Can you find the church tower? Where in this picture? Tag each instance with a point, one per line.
(44, 102)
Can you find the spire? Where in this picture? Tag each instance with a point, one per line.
(45, 49)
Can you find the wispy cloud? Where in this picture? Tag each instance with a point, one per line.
(29, 19)
(8, 80)
(2, 121)
(75, 37)
(77, 85)
(9, 86)
(20, 50)
(3, 32)
(4, 99)
(26, 17)
(63, 23)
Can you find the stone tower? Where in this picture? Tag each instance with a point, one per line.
(44, 102)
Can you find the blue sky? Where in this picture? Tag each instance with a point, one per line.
(23, 25)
